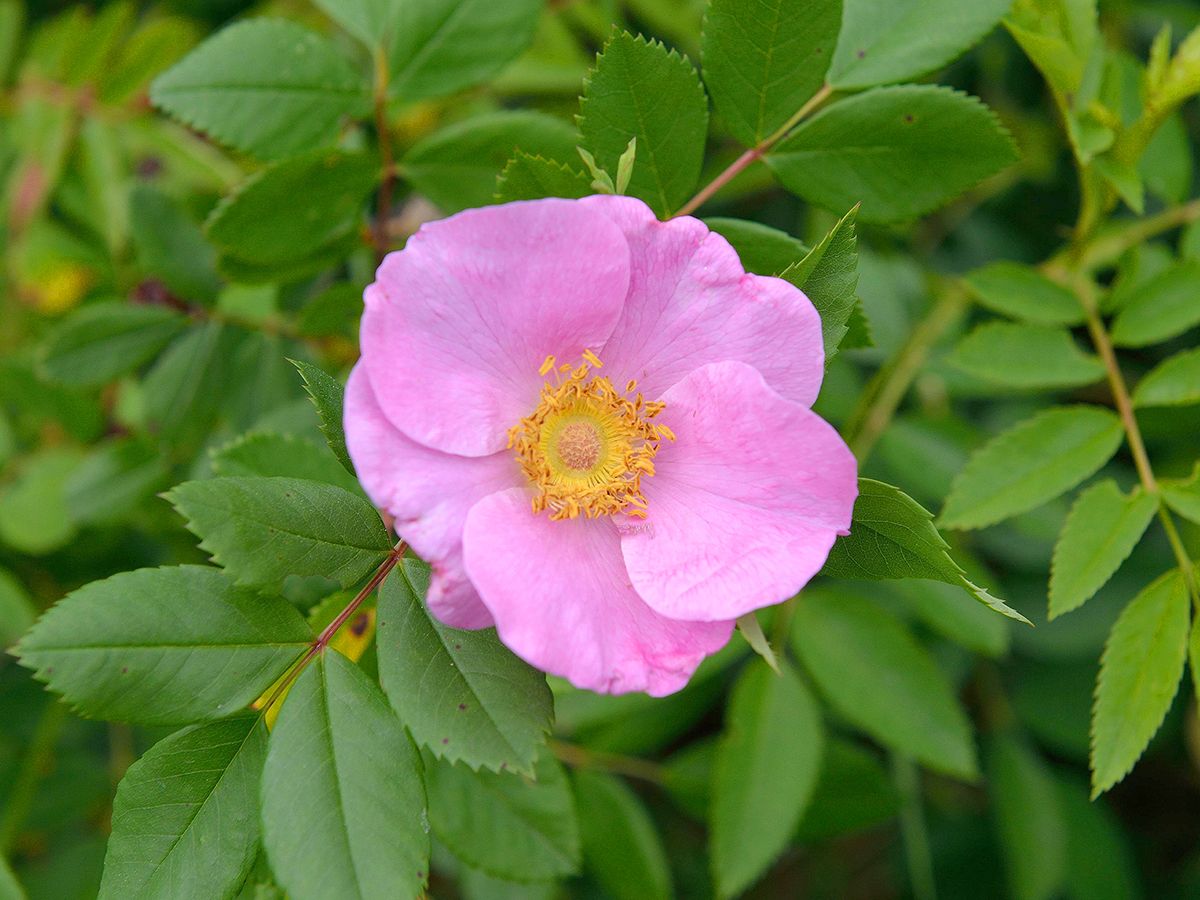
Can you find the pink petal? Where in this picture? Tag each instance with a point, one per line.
(457, 324)
(562, 601)
(691, 302)
(745, 503)
(452, 598)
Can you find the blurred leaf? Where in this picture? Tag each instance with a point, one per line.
(1166, 166)
(1103, 528)
(1173, 382)
(12, 20)
(893, 536)
(763, 61)
(443, 46)
(528, 177)
(1026, 356)
(34, 516)
(326, 393)
(371, 21)
(881, 680)
(828, 275)
(334, 311)
(185, 819)
(262, 530)
(1029, 820)
(885, 41)
(456, 167)
(1139, 676)
(113, 479)
(504, 824)
(268, 87)
(1100, 862)
(1058, 36)
(766, 768)
(184, 388)
(762, 249)
(899, 151)
(99, 342)
(1022, 292)
(16, 609)
(1031, 464)
(1183, 495)
(853, 793)
(266, 454)
(1164, 307)
(158, 42)
(462, 694)
(343, 807)
(940, 608)
(621, 845)
(10, 888)
(163, 646)
(641, 90)
(171, 246)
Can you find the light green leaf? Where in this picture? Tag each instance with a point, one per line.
(1024, 293)
(763, 60)
(266, 454)
(1103, 528)
(854, 792)
(762, 249)
(899, 151)
(1139, 675)
(163, 646)
(443, 46)
(1183, 495)
(371, 21)
(171, 246)
(1173, 382)
(893, 536)
(10, 888)
(343, 806)
(16, 609)
(185, 819)
(828, 275)
(641, 90)
(462, 694)
(1058, 36)
(269, 87)
(766, 768)
(456, 167)
(182, 391)
(12, 21)
(1164, 307)
(157, 42)
(621, 846)
(1031, 464)
(1033, 834)
(528, 177)
(882, 681)
(507, 825)
(34, 516)
(327, 394)
(103, 341)
(262, 530)
(112, 480)
(1026, 356)
(885, 41)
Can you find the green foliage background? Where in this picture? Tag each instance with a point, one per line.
(990, 203)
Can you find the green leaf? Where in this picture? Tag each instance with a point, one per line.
(1183, 495)
(293, 208)
(269, 87)
(1103, 528)
(939, 606)
(828, 275)
(183, 389)
(103, 341)
(507, 825)
(641, 90)
(762, 249)
(1022, 292)
(185, 819)
(1031, 464)
(343, 805)
(170, 246)
(334, 311)
(762, 61)
(443, 46)
(621, 845)
(34, 516)
(893, 536)
(1100, 862)
(262, 530)
(266, 454)
(900, 151)
(1058, 36)
(885, 41)
(1173, 382)
(882, 681)
(462, 694)
(456, 167)
(16, 609)
(1164, 307)
(766, 769)
(528, 177)
(371, 21)
(327, 393)
(12, 20)
(10, 888)
(163, 646)
(854, 792)
(1139, 675)
(112, 480)
(1029, 819)
(1026, 356)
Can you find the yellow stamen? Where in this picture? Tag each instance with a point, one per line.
(587, 446)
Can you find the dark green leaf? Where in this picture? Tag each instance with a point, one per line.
(1023, 293)
(528, 177)
(371, 21)
(621, 845)
(1100, 862)
(854, 792)
(16, 609)
(103, 341)
(112, 480)
(266, 454)
(1026, 356)
(1164, 307)
(163, 646)
(1173, 382)
(828, 275)
(326, 393)
(183, 389)
(762, 249)
(171, 246)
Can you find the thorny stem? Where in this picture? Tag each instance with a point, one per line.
(383, 211)
(582, 758)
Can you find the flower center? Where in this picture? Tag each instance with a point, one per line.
(587, 446)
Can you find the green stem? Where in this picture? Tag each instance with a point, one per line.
(912, 828)
(583, 758)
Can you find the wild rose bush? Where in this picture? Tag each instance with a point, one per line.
(492, 449)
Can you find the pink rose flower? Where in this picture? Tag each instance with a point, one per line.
(596, 427)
